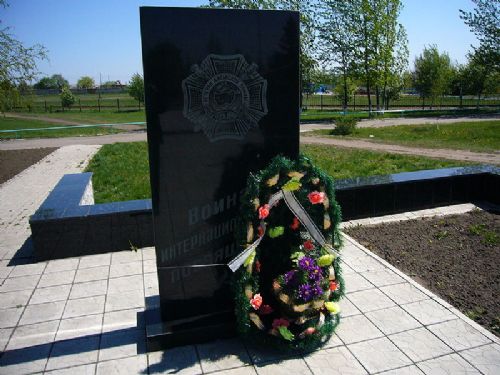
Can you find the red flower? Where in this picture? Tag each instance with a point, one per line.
(265, 309)
(263, 211)
(260, 231)
(308, 245)
(295, 224)
(256, 301)
(257, 266)
(333, 285)
(316, 197)
(280, 322)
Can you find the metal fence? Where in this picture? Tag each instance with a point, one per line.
(360, 102)
(83, 103)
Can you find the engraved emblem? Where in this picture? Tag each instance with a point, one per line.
(224, 97)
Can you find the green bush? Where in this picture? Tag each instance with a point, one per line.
(67, 98)
(344, 125)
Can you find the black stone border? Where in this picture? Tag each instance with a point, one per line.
(64, 227)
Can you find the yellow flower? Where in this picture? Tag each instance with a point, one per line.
(332, 307)
(325, 260)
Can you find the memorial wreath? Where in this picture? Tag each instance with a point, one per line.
(288, 278)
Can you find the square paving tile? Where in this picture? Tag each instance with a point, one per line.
(121, 344)
(42, 313)
(75, 370)
(408, 370)
(355, 282)
(26, 360)
(127, 256)
(20, 283)
(428, 311)
(73, 352)
(404, 293)
(448, 364)
(148, 253)
(334, 361)
(14, 299)
(149, 266)
(28, 269)
(392, 320)
(91, 274)
(383, 277)
(485, 358)
(357, 328)
(263, 355)
(123, 319)
(84, 306)
(365, 263)
(125, 300)
(379, 355)
(180, 361)
(4, 337)
(131, 365)
(72, 328)
(50, 294)
(459, 335)
(62, 265)
(420, 344)
(10, 317)
(222, 355)
(287, 367)
(347, 308)
(57, 278)
(95, 261)
(89, 289)
(125, 284)
(126, 269)
(370, 300)
(33, 334)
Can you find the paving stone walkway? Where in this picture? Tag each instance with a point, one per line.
(85, 315)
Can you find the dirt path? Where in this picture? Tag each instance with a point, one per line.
(479, 157)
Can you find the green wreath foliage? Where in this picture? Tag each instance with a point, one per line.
(287, 289)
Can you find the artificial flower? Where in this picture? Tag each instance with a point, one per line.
(256, 301)
(307, 263)
(334, 285)
(264, 211)
(332, 307)
(292, 185)
(305, 292)
(308, 245)
(257, 266)
(281, 322)
(325, 260)
(265, 310)
(273, 180)
(250, 259)
(295, 224)
(276, 231)
(316, 197)
(315, 180)
(296, 175)
(260, 231)
(290, 278)
(315, 274)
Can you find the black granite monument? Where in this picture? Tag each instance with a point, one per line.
(222, 98)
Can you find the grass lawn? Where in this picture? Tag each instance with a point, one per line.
(121, 170)
(93, 117)
(7, 123)
(474, 136)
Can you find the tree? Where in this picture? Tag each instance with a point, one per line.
(432, 73)
(340, 41)
(17, 65)
(484, 22)
(478, 79)
(67, 97)
(54, 82)
(85, 82)
(136, 87)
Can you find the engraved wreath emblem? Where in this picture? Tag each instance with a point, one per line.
(224, 97)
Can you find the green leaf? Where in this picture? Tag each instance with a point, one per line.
(285, 332)
(292, 185)
(275, 231)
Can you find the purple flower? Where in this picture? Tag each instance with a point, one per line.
(305, 292)
(317, 290)
(315, 273)
(307, 263)
(290, 277)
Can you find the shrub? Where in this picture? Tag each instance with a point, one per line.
(67, 98)
(344, 126)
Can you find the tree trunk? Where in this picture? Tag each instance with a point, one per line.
(423, 102)
(377, 97)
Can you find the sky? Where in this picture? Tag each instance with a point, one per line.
(101, 38)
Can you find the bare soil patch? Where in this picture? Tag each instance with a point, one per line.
(13, 162)
(457, 257)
